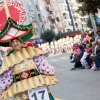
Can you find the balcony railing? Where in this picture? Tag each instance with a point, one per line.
(47, 1)
(48, 7)
(52, 16)
(53, 26)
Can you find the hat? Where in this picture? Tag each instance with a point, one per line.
(13, 30)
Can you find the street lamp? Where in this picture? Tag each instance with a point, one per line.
(93, 24)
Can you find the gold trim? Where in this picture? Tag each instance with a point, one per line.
(25, 34)
(28, 84)
(18, 57)
(57, 99)
(6, 9)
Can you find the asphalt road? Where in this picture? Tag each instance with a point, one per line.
(79, 84)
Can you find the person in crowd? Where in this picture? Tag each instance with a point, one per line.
(0, 62)
(83, 40)
(90, 60)
(97, 56)
(90, 37)
(82, 50)
(98, 36)
(96, 39)
(86, 53)
(76, 51)
(77, 58)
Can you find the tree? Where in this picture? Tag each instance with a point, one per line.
(48, 35)
(88, 6)
(58, 36)
(89, 24)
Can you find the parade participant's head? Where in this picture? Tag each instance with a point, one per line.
(16, 44)
(98, 42)
(81, 47)
(84, 34)
(98, 28)
(98, 32)
(87, 45)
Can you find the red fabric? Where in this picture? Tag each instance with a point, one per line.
(40, 48)
(30, 44)
(25, 75)
(75, 46)
(14, 12)
(87, 50)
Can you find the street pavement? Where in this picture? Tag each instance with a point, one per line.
(79, 84)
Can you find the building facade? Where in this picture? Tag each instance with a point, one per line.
(36, 14)
(57, 15)
(79, 22)
(66, 16)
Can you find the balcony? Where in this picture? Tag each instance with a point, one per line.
(52, 26)
(48, 7)
(52, 16)
(68, 19)
(48, 1)
(84, 23)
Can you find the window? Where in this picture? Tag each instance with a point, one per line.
(57, 18)
(36, 29)
(60, 24)
(40, 17)
(76, 25)
(74, 18)
(32, 18)
(37, 7)
(78, 30)
(55, 7)
(70, 24)
(47, 1)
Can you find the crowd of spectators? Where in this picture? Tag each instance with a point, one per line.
(86, 54)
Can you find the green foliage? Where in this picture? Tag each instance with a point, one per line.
(89, 24)
(48, 35)
(88, 6)
(58, 36)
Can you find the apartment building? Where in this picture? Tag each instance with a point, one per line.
(65, 14)
(36, 13)
(79, 22)
(54, 15)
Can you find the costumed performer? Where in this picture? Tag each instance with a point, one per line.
(23, 70)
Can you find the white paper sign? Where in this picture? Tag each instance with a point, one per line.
(38, 94)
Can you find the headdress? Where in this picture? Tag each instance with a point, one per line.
(13, 30)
